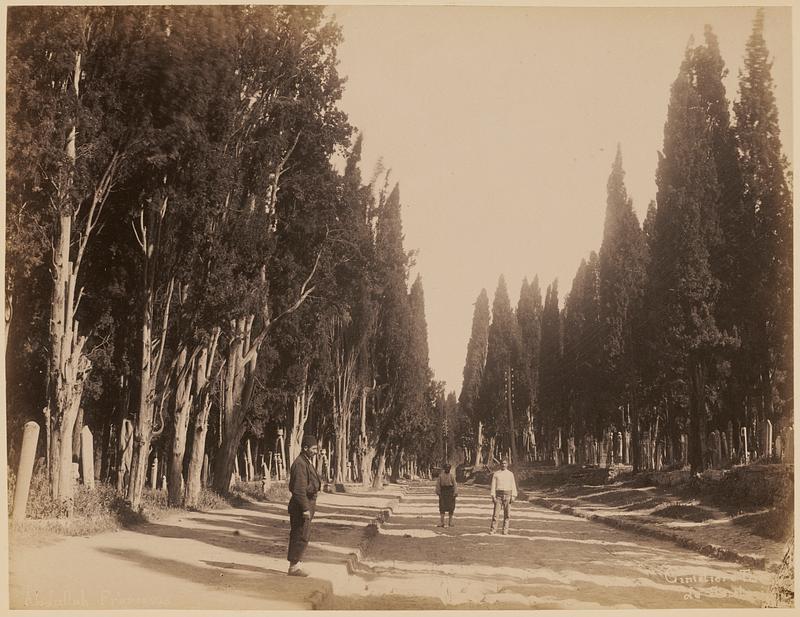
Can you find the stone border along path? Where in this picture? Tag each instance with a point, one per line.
(652, 529)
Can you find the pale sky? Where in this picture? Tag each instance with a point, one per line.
(501, 124)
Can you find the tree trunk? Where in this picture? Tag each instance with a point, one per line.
(148, 374)
(183, 406)
(697, 411)
(300, 411)
(237, 394)
(124, 455)
(8, 315)
(76, 436)
(377, 480)
(68, 367)
(398, 459)
(151, 220)
(478, 443)
(367, 458)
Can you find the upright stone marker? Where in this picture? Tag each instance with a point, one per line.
(766, 448)
(788, 445)
(87, 457)
(30, 437)
(154, 474)
(725, 452)
(731, 443)
(745, 453)
(684, 449)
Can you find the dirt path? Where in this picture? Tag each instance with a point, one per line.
(549, 560)
(236, 559)
(224, 559)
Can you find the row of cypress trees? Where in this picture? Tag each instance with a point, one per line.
(680, 324)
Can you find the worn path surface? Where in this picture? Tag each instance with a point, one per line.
(222, 559)
(236, 559)
(549, 560)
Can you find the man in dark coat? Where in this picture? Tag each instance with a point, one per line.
(304, 484)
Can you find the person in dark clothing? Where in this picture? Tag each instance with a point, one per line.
(304, 484)
(447, 491)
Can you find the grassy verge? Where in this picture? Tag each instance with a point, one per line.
(104, 509)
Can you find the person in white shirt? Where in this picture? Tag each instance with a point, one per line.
(504, 491)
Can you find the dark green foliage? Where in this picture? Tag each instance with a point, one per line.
(550, 376)
(585, 386)
(766, 308)
(503, 354)
(475, 362)
(621, 280)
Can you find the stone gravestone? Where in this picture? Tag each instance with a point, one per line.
(154, 474)
(788, 445)
(766, 441)
(603, 453)
(652, 452)
(670, 460)
(731, 443)
(30, 438)
(779, 448)
(619, 447)
(724, 445)
(744, 457)
(659, 455)
(717, 450)
(627, 454)
(87, 457)
(684, 449)
(571, 450)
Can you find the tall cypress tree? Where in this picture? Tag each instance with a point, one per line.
(502, 357)
(529, 319)
(582, 354)
(549, 367)
(622, 276)
(767, 199)
(683, 289)
(474, 366)
(391, 355)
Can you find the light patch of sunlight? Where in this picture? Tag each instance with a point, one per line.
(333, 548)
(350, 517)
(603, 510)
(414, 533)
(558, 539)
(561, 603)
(333, 521)
(521, 513)
(609, 491)
(713, 521)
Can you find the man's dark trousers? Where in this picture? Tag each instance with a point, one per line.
(300, 529)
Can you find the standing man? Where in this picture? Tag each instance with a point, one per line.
(503, 491)
(304, 484)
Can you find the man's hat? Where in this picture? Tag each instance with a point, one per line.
(309, 440)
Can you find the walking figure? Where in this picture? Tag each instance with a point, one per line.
(447, 491)
(503, 491)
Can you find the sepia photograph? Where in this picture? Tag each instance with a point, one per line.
(410, 307)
